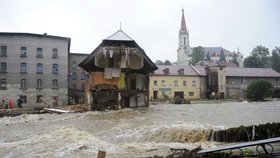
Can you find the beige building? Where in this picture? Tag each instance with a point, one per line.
(170, 81)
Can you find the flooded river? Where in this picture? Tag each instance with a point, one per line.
(128, 132)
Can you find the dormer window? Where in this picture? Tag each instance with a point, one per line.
(166, 71)
(181, 72)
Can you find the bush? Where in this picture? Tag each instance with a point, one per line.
(259, 89)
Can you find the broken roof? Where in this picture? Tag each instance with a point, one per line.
(251, 72)
(117, 39)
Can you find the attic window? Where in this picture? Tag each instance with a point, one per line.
(181, 72)
(166, 71)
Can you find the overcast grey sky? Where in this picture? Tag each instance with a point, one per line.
(153, 24)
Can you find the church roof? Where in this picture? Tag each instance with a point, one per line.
(215, 50)
(119, 36)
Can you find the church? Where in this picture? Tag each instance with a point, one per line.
(184, 52)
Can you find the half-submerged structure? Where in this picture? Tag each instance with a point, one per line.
(118, 74)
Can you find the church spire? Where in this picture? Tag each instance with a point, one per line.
(183, 29)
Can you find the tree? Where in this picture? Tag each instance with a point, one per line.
(275, 59)
(222, 55)
(159, 62)
(197, 55)
(252, 61)
(208, 57)
(167, 62)
(259, 89)
(261, 55)
(234, 59)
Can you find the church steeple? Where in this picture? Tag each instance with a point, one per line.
(183, 29)
(184, 49)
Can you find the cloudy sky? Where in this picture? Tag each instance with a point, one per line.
(153, 24)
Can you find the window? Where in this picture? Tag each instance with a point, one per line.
(23, 84)
(39, 53)
(155, 83)
(193, 83)
(23, 52)
(184, 83)
(55, 68)
(39, 98)
(176, 83)
(23, 68)
(74, 65)
(83, 87)
(39, 84)
(54, 53)
(3, 52)
(3, 84)
(39, 68)
(74, 86)
(163, 82)
(3, 67)
(55, 84)
(74, 76)
(83, 77)
(191, 93)
(163, 93)
(24, 98)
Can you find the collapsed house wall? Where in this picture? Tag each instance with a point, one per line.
(118, 74)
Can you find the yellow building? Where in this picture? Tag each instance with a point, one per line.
(170, 81)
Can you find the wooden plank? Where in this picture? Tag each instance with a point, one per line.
(60, 111)
(101, 154)
(240, 145)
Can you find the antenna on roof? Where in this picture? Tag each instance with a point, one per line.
(120, 25)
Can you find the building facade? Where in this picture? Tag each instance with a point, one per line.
(77, 78)
(171, 81)
(34, 66)
(238, 79)
(231, 82)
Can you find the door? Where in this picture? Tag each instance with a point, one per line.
(155, 94)
(179, 94)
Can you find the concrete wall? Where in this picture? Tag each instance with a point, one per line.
(78, 93)
(14, 42)
(237, 85)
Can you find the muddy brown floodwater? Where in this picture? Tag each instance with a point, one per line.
(127, 132)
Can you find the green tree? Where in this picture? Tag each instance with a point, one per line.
(167, 62)
(234, 59)
(222, 55)
(275, 59)
(197, 55)
(252, 61)
(259, 90)
(208, 57)
(261, 56)
(159, 62)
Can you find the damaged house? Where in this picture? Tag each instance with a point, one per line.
(117, 74)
